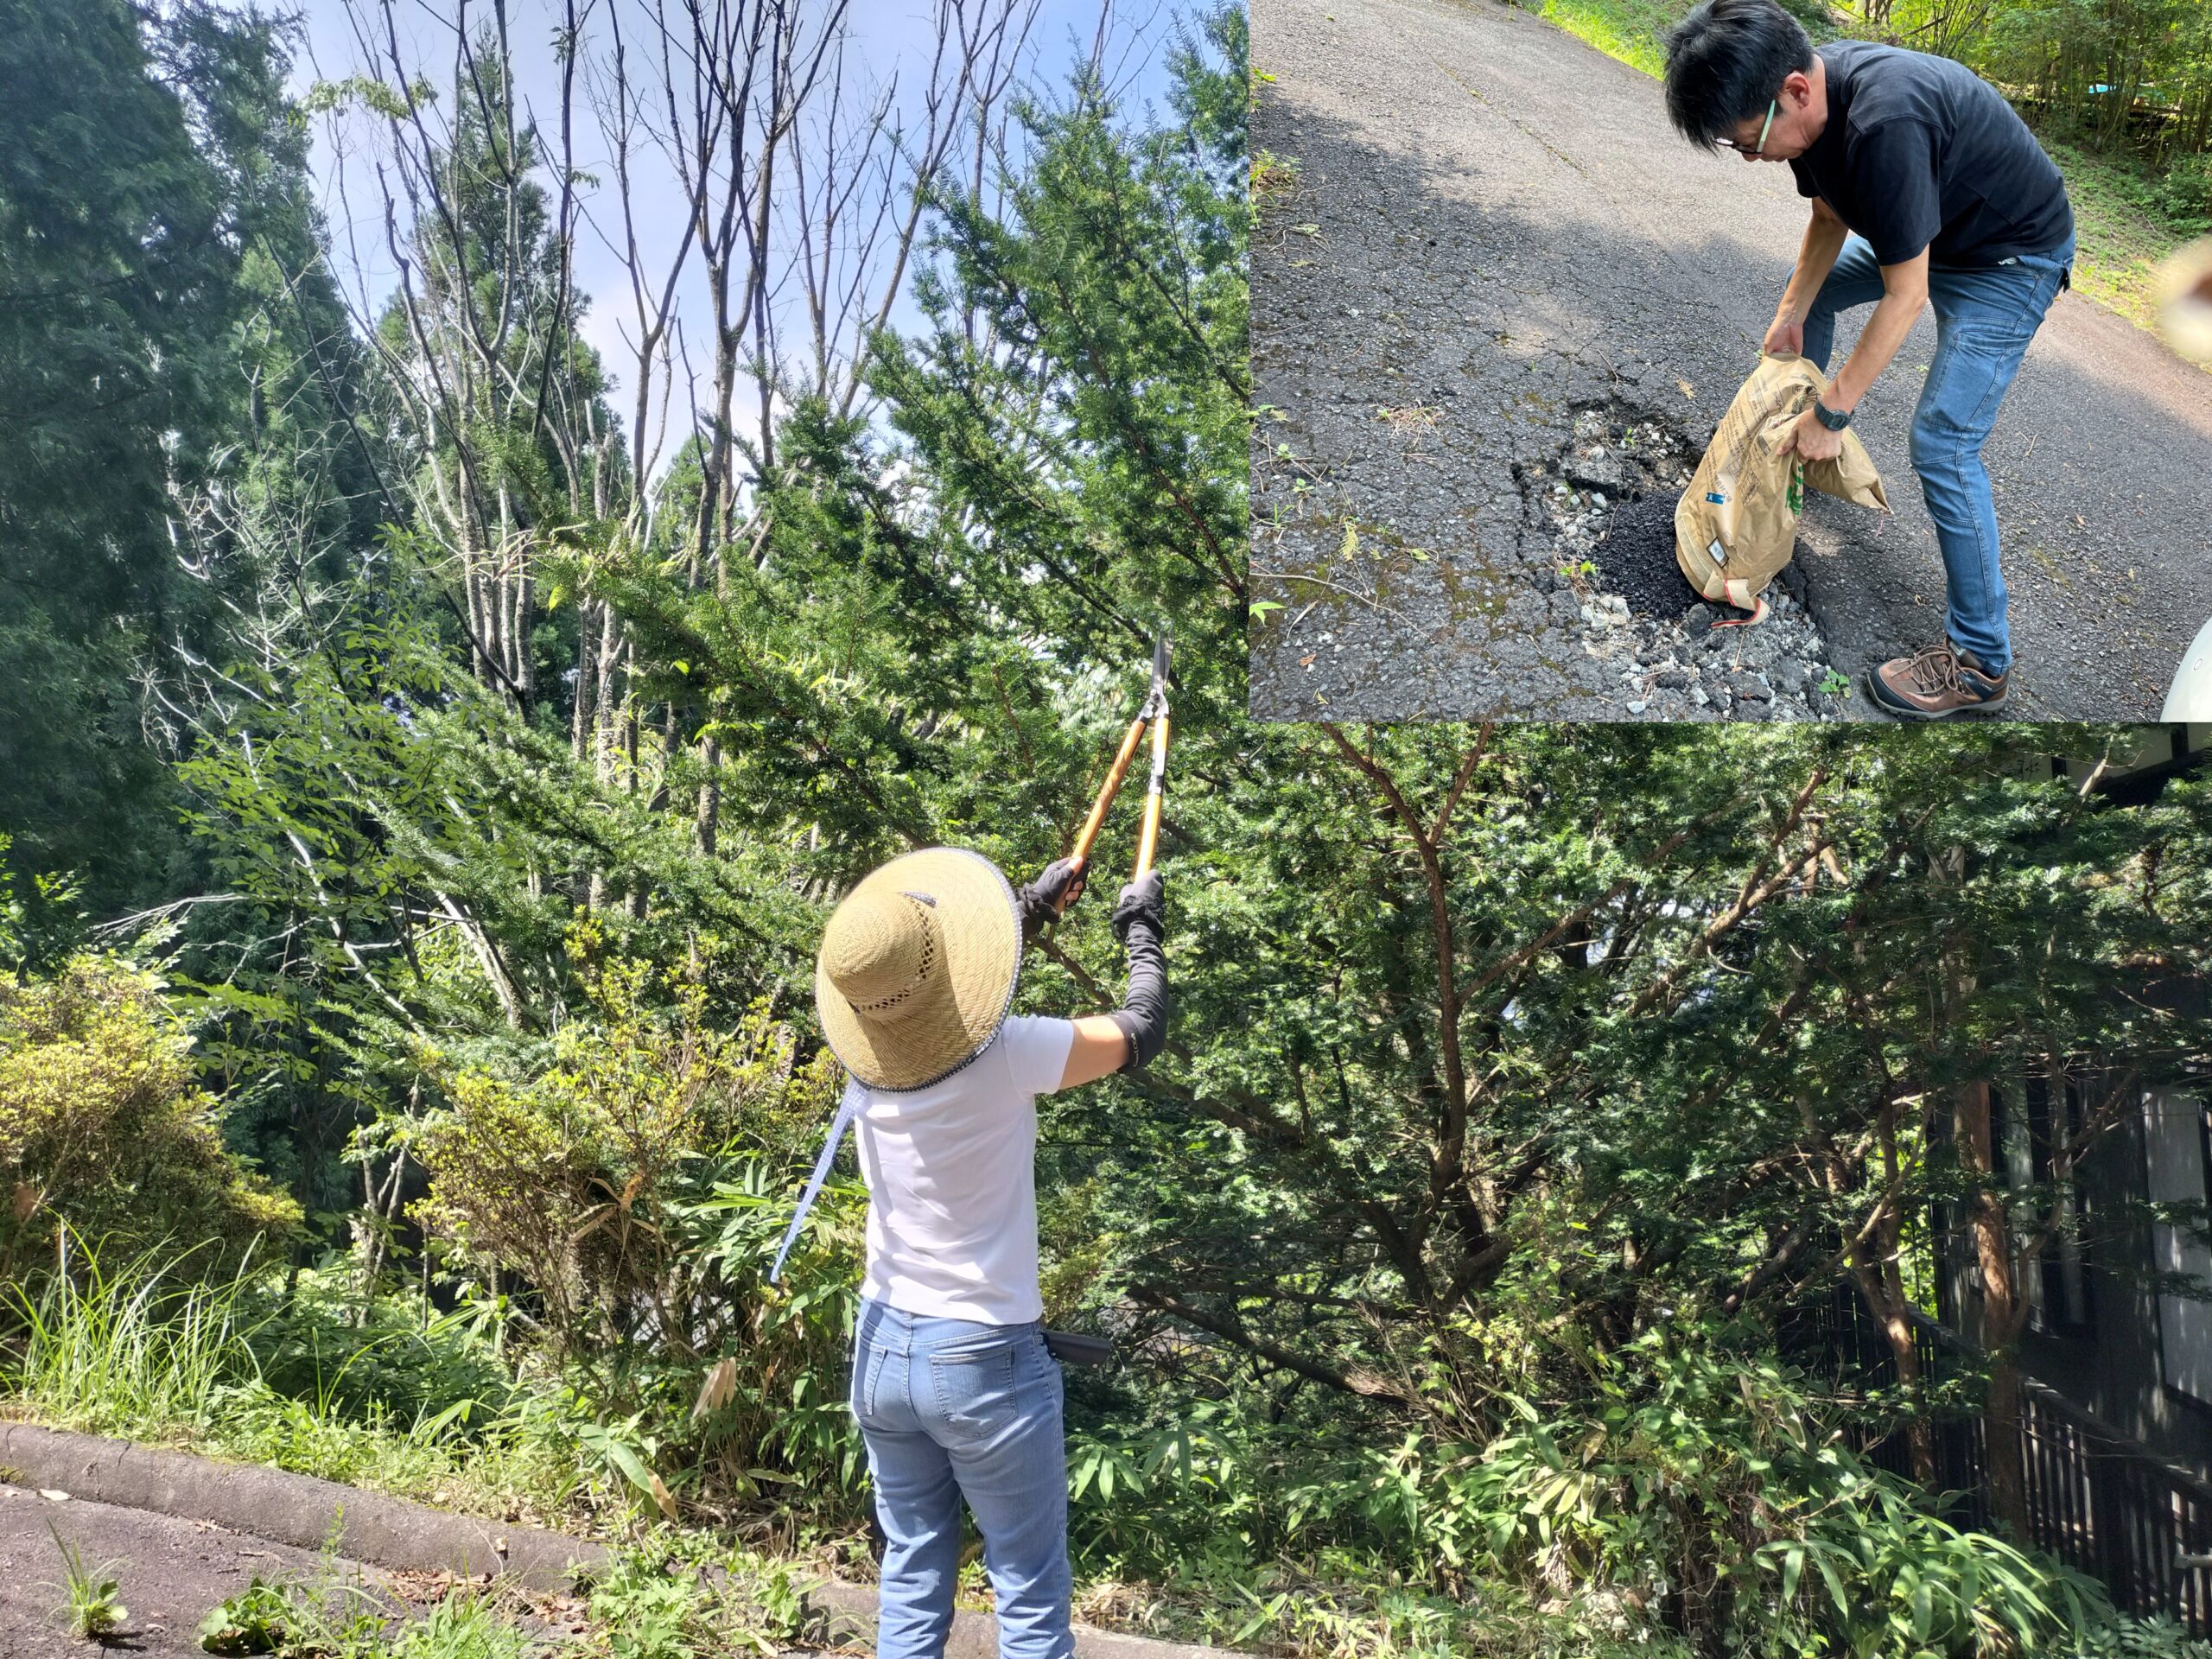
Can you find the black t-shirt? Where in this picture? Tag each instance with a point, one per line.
(1920, 152)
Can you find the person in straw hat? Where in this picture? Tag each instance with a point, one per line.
(955, 1392)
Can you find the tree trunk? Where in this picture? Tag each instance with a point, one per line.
(525, 607)
(597, 730)
(707, 565)
(482, 632)
(1882, 1292)
(582, 722)
(710, 794)
(1904, 1350)
(1988, 1220)
(615, 715)
(632, 721)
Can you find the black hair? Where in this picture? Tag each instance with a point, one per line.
(1726, 60)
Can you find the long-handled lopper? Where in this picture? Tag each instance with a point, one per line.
(1153, 713)
(1070, 1348)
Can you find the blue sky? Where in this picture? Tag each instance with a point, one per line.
(888, 34)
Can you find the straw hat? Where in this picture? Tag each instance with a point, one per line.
(918, 967)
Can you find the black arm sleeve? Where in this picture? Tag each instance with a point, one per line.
(1143, 1013)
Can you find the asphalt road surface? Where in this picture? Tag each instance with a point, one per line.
(172, 1574)
(1492, 232)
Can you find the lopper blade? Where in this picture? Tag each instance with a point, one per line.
(1155, 699)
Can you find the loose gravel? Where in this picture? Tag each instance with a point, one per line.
(1656, 640)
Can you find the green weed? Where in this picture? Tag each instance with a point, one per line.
(465, 1626)
(326, 1617)
(258, 1619)
(93, 1604)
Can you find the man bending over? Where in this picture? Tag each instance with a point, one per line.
(1925, 186)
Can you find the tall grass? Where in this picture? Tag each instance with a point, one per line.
(142, 1349)
(138, 1348)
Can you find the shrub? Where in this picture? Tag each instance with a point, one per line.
(103, 1128)
(636, 1188)
(386, 1361)
(2184, 194)
(1679, 1496)
(1712, 1485)
(565, 1178)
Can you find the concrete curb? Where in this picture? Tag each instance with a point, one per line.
(975, 1636)
(296, 1510)
(391, 1532)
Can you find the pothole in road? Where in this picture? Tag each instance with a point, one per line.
(1607, 501)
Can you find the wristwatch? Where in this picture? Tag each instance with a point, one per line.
(1834, 420)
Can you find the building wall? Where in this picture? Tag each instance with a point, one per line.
(2142, 1362)
(2175, 1170)
(2139, 1360)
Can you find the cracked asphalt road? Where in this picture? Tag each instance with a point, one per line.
(173, 1573)
(1492, 229)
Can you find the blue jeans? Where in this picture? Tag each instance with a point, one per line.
(1984, 320)
(952, 1410)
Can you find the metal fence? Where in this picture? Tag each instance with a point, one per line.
(2097, 1500)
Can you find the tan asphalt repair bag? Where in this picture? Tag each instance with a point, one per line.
(1736, 525)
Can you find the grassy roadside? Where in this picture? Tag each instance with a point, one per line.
(2120, 239)
(1627, 29)
(687, 1590)
(266, 1368)
(2120, 242)
(423, 1413)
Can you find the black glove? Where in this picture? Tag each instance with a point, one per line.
(1138, 921)
(1143, 901)
(1043, 899)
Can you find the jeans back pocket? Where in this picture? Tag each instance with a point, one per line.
(976, 1396)
(867, 1379)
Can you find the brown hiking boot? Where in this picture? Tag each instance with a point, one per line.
(1935, 683)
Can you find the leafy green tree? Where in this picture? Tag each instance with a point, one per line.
(2131, 76)
(175, 360)
(1693, 1021)
(118, 264)
(289, 503)
(1080, 401)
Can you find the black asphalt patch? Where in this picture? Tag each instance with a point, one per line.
(1635, 558)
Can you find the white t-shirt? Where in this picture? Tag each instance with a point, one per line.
(951, 1174)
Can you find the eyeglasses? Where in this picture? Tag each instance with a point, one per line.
(1773, 105)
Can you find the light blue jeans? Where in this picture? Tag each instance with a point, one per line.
(952, 1410)
(1984, 320)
